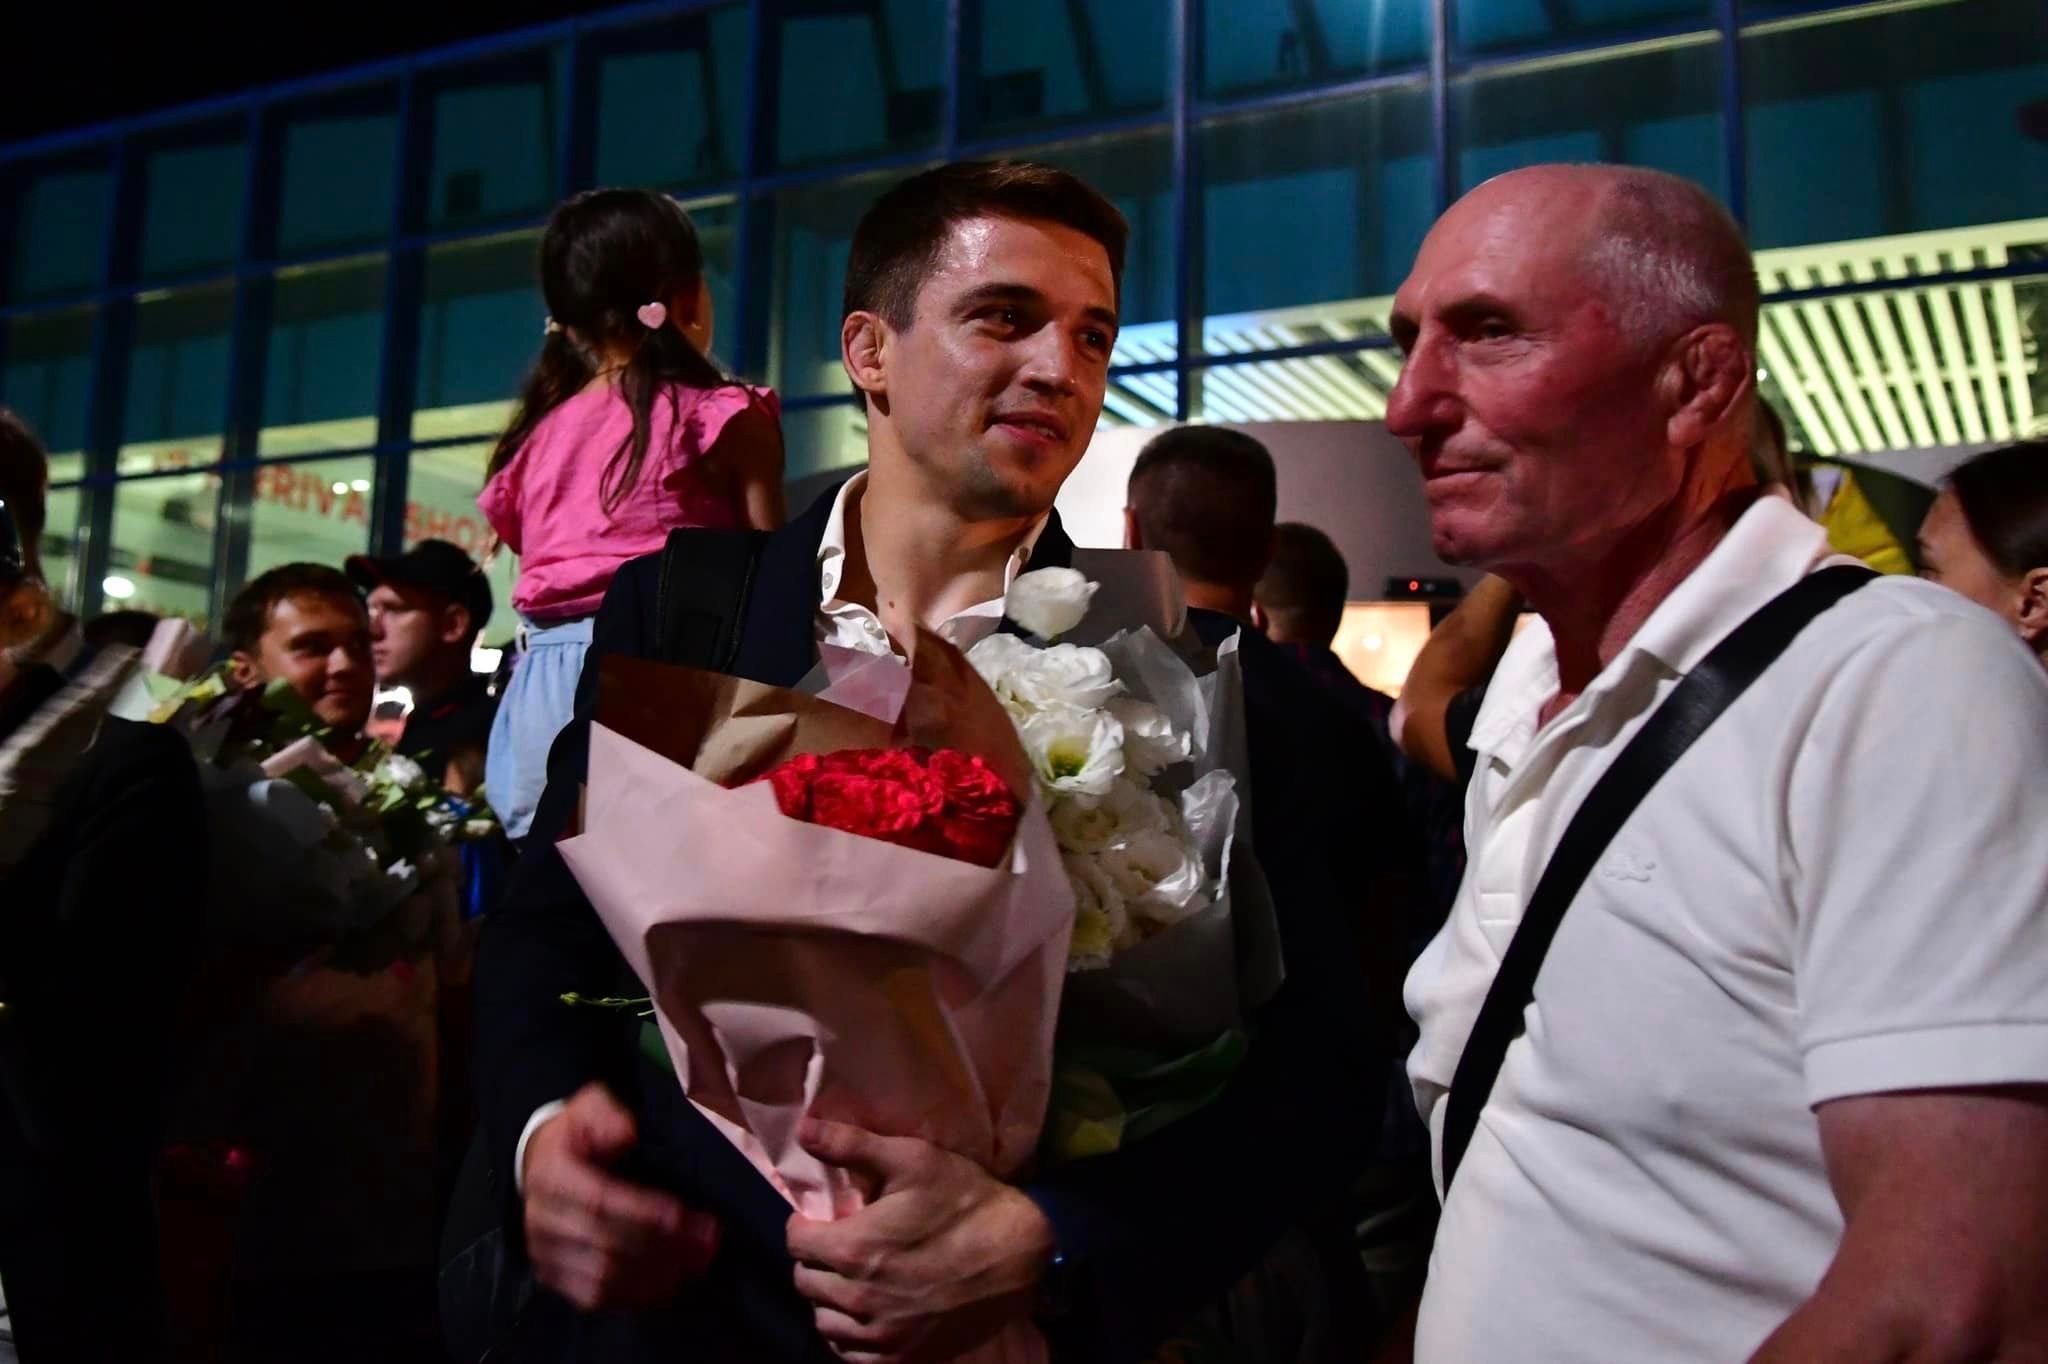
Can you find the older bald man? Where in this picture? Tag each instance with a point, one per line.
(1779, 1092)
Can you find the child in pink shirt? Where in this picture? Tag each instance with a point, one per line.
(624, 432)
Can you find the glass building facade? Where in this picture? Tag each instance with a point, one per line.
(287, 324)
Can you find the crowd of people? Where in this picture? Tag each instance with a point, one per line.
(1776, 1089)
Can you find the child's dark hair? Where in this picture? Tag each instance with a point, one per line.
(606, 254)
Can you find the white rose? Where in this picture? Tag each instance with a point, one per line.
(400, 771)
(1025, 678)
(1075, 751)
(1161, 882)
(1065, 675)
(1090, 824)
(1151, 742)
(996, 658)
(1100, 920)
(1049, 601)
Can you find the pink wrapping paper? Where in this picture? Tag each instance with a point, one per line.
(801, 970)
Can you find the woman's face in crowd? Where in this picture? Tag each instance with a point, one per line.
(1951, 556)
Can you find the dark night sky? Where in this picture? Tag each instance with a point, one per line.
(73, 62)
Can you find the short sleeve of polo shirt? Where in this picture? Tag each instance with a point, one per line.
(1917, 833)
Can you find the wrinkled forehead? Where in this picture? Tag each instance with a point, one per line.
(1523, 241)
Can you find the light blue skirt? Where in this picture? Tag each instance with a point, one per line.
(538, 703)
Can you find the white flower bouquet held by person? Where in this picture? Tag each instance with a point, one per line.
(1138, 752)
(318, 845)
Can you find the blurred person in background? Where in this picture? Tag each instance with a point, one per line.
(427, 606)
(1986, 536)
(101, 879)
(1206, 496)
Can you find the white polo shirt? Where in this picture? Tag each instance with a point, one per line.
(1840, 889)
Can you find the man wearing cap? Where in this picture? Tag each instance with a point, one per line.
(427, 607)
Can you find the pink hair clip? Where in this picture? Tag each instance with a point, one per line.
(652, 315)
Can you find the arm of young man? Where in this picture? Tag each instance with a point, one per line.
(1920, 946)
(1460, 654)
(947, 1253)
(1945, 1256)
(597, 1239)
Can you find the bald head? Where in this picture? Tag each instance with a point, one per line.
(1661, 249)
(1580, 364)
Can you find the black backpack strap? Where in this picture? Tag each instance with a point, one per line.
(1700, 697)
(701, 599)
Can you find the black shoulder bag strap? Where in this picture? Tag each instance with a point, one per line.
(1700, 697)
(701, 598)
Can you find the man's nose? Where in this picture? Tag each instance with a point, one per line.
(1054, 362)
(1424, 398)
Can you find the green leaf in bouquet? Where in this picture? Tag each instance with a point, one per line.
(1105, 1097)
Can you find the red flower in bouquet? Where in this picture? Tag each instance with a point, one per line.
(938, 801)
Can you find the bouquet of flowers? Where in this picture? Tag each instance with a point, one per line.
(846, 905)
(1137, 751)
(320, 845)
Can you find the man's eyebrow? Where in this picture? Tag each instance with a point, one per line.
(1477, 305)
(982, 295)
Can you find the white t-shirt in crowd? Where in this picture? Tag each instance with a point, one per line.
(1840, 889)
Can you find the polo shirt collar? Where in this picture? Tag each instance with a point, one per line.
(1770, 547)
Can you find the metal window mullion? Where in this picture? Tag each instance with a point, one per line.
(112, 340)
(962, 73)
(1734, 133)
(398, 359)
(1440, 102)
(576, 150)
(754, 261)
(1187, 206)
(248, 350)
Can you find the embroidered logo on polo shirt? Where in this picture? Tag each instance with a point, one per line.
(1622, 865)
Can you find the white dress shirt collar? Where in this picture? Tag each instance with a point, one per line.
(850, 625)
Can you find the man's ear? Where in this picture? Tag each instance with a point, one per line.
(2034, 607)
(1261, 622)
(455, 623)
(244, 670)
(863, 350)
(1708, 376)
(1133, 537)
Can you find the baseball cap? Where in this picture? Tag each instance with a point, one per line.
(435, 565)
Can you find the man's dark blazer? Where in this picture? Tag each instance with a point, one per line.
(1159, 1230)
